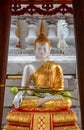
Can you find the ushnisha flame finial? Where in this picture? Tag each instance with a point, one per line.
(42, 30)
(42, 39)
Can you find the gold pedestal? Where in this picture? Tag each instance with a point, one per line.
(41, 120)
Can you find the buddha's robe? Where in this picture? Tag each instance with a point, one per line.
(48, 75)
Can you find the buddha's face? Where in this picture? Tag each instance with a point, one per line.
(42, 51)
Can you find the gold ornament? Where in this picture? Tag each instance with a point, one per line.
(42, 39)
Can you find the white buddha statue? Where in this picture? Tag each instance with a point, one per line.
(42, 73)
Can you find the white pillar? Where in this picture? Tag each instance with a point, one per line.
(52, 35)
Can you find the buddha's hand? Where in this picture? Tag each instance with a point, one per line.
(47, 98)
(17, 100)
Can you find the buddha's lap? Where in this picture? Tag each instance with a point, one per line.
(54, 104)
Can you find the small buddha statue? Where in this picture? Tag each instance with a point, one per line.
(42, 73)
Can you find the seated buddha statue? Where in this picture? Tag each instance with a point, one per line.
(41, 111)
(42, 73)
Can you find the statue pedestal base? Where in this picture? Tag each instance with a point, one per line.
(41, 120)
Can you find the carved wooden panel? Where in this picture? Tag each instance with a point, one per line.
(47, 7)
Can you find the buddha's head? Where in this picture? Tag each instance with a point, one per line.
(42, 45)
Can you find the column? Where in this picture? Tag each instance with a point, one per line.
(78, 7)
(5, 17)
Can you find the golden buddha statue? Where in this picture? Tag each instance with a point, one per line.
(42, 73)
(48, 112)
